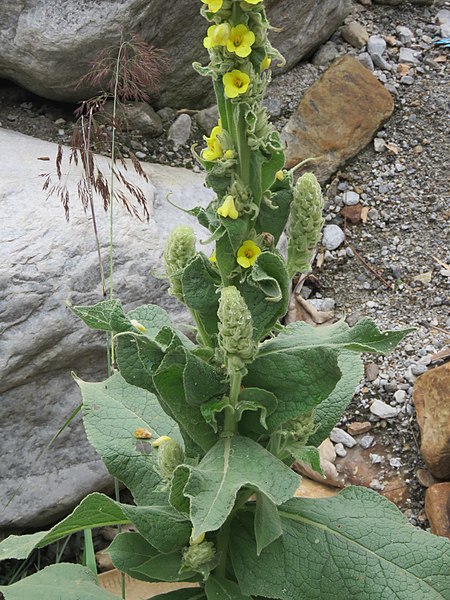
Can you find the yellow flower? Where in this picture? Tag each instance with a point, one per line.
(236, 82)
(266, 62)
(241, 40)
(253, 1)
(214, 149)
(228, 208)
(213, 257)
(218, 35)
(247, 254)
(279, 175)
(215, 5)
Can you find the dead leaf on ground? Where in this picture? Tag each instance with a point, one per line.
(365, 214)
(302, 310)
(424, 278)
(137, 590)
(392, 148)
(352, 213)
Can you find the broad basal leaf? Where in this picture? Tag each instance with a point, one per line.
(112, 411)
(202, 382)
(57, 582)
(355, 546)
(96, 510)
(187, 594)
(217, 588)
(231, 464)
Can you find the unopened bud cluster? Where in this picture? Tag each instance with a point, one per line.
(180, 248)
(305, 223)
(235, 327)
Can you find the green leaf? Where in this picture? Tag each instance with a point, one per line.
(237, 230)
(57, 582)
(267, 523)
(162, 526)
(138, 359)
(330, 410)
(266, 293)
(356, 545)
(176, 496)
(213, 408)
(96, 510)
(363, 337)
(270, 168)
(113, 410)
(202, 382)
(169, 382)
(200, 282)
(253, 400)
(106, 316)
(152, 317)
(133, 555)
(300, 379)
(308, 455)
(273, 220)
(231, 464)
(217, 588)
(226, 258)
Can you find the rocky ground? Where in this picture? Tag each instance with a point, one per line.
(393, 263)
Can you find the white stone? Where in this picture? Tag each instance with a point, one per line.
(351, 198)
(408, 55)
(400, 396)
(405, 35)
(180, 131)
(333, 237)
(339, 436)
(382, 410)
(376, 45)
(340, 450)
(45, 261)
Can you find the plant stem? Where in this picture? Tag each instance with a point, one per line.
(223, 540)
(203, 334)
(230, 424)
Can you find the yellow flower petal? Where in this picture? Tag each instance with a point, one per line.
(138, 325)
(236, 82)
(252, 1)
(248, 253)
(218, 35)
(213, 257)
(279, 175)
(215, 5)
(240, 40)
(228, 208)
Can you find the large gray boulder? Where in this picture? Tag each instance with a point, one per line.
(43, 262)
(46, 45)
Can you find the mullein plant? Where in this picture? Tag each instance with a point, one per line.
(203, 434)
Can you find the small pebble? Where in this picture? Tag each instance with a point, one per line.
(340, 450)
(395, 463)
(382, 410)
(418, 369)
(366, 441)
(400, 396)
(376, 459)
(339, 436)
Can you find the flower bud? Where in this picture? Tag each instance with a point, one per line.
(301, 428)
(170, 456)
(305, 223)
(197, 557)
(235, 328)
(180, 248)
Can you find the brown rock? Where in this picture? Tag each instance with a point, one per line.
(313, 489)
(425, 478)
(432, 401)
(372, 371)
(355, 34)
(437, 506)
(336, 118)
(358, 428)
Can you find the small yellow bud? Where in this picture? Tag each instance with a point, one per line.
(213, 257)
(157, 443)
(138, 325)
(265, 64)
(229, 154)
(280, 175)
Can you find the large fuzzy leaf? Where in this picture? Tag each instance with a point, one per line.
(132, 554)
(217, 588)
(301, 366)
(231, 464)
(112, 411)
(355, 546)
(57, 582)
